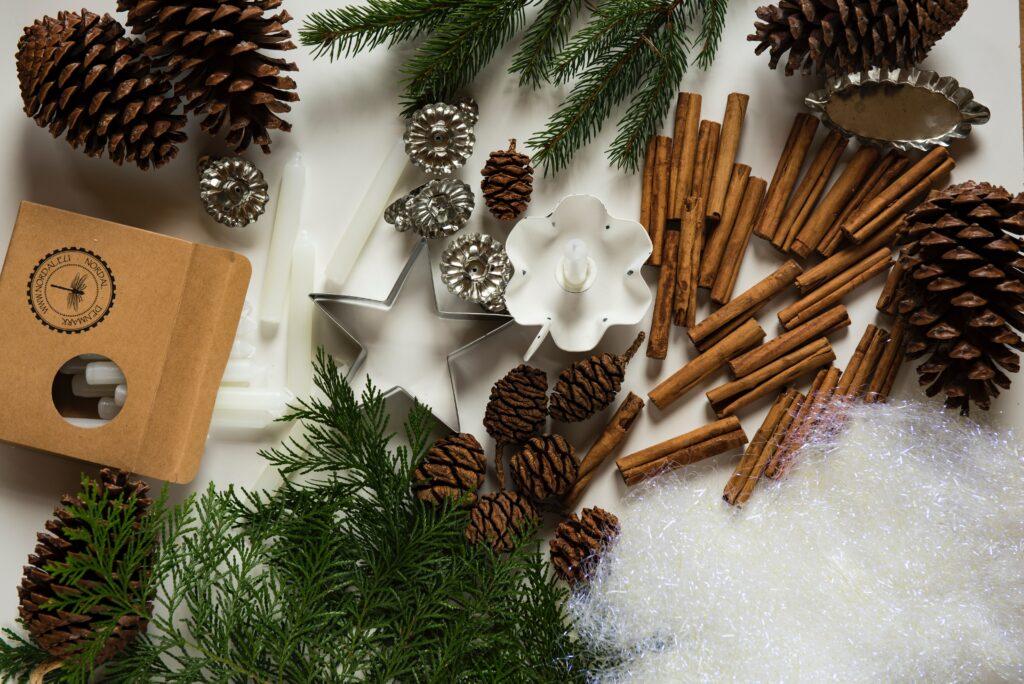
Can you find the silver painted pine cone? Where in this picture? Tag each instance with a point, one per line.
(476, 268)
(439, 138)
(233, 190)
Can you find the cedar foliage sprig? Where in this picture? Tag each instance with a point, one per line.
(341, 575)
(635, 50)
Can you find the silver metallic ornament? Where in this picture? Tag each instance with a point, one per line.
(439, 138)
(232, 189)
(476, 268)
(436, 209)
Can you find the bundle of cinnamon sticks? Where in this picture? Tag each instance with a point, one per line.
(704, 442)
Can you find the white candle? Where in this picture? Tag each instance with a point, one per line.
(74, 366)
(87, 423)
(366, 216)
(120, 394)
(241, 349)
(286, 225)
(103, 373)
(81, 388)
(108, 408)
(250, 408)
(574, 265)
(243, 372)
(299, 368)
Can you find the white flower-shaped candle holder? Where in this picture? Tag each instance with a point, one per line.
(577, 272)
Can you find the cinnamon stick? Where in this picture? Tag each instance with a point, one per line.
(661, 319)
(869, 366)
(670, 446)
(611, 437)
(688, 456)
(714, 250)
(801, 135)
(814, 277)
(647, 187)
(884, 174)
(708, 141)
(915, 181)
(695, 256)
(659, 214)
(686, 275)
(739, 238)
(899, 335)
(889, 298)
(823, 324)
(831, 293)
(904, 203)
(892, 354)
(807, 193)
(747, 467)
(786, 441)
(815, 404)
(730, 397)
(832, 204)
(732, 128)
(684, 150)
(748, 303)
(853, 367)
(696, 371)
(771, 450)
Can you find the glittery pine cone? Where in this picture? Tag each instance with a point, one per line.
(837, 37)
(590, 385)
(498, 519)
(60, 633)
(546, 466)
(82, 78)
(579, 540)
(216, 49)
(453, 467)
(962, 292)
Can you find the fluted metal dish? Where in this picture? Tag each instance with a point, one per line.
(233, 190)
(904, 109)
(476, 268)
(439, 137)
(437, 209)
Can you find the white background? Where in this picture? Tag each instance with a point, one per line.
(345, 124)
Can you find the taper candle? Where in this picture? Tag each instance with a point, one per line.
(286, 225)
(299, 368)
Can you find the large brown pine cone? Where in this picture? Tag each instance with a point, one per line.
(499, 519)
(57, 632)
(507, 183)
(546, 466)
(587, 386)
(516, 411)
(579, 540)
(837, 37)
(80, 76)
(962, 292)
(454, 466)
(216, 48)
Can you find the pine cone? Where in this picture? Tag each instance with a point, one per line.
(579, 540)
(546, 466)
(454, 466)
(516, 411)
(587, 386)
(216, 48)
(508, 182)
(499, 518)
(57, 632)
(962, 292)
(837, 37)
(81, 77)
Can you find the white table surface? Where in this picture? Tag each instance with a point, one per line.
(348, 119)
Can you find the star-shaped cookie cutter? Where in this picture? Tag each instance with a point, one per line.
(332, 305)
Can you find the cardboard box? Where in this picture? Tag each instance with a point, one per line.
(165, 310)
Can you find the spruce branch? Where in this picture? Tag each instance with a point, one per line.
(543, 39)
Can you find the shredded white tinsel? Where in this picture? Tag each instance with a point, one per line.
(892, 552)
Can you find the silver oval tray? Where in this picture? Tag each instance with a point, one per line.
(905, 109)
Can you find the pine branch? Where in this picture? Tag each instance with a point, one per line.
(543, 40)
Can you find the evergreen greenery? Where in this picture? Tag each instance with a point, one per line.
(627, 50)
(342, 575)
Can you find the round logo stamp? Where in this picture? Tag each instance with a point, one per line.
(71, 290)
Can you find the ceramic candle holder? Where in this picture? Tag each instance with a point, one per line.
(549, 288)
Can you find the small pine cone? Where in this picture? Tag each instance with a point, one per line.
(546, 466)
(81, 77)
(499, 518)
(454, 466)
(216, 48)
(516, 410)
(962, 292)
(579, 540)
(60, 633)
(587, 386)
(837, 37)
(508, 182)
